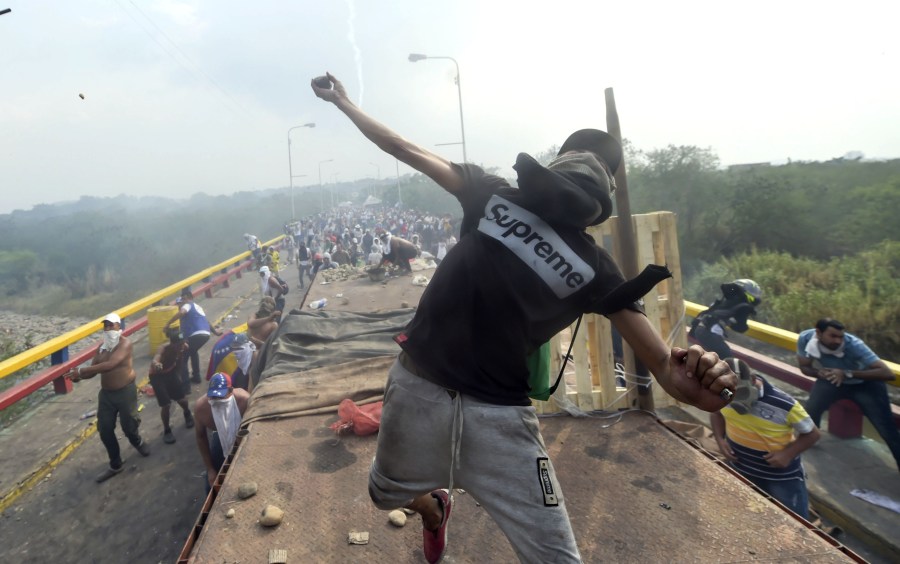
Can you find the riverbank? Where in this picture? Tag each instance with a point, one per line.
(25, 331)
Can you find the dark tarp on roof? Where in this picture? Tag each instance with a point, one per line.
(316, 359)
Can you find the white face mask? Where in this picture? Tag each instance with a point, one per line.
(244, 357)
(227, 418)
(838, 352)
(110, 339)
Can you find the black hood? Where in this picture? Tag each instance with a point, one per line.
(579, 199)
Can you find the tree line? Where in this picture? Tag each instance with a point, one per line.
(825, 227)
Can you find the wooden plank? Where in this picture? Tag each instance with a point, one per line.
(583, 384)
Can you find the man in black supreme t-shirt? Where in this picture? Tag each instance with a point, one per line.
(523, 270)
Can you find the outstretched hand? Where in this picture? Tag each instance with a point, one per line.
(701, 376)
(329, 94)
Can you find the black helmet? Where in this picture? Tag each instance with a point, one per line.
(746, 287)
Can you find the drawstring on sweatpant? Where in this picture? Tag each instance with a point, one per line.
(456, 435)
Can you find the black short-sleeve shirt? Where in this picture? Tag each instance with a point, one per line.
(510, 284)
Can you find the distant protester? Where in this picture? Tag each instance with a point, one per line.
(304, 263)
(253, 245)
(196, 330)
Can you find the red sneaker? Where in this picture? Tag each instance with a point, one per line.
(436, 541)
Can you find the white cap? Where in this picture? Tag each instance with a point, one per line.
(263, 269)
(113, 318)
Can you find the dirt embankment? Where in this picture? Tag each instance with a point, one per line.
(30, 330)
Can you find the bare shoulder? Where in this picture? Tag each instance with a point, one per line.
(242, 397)
(202, 412)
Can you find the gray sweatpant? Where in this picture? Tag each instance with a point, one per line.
(496, 453)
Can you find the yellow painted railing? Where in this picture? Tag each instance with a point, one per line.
(775, 336)
(49, 347)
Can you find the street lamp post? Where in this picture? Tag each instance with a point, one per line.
(414, 57)
(334, 176)
(321, 192)
(291, 164)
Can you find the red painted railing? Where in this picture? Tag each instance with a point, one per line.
(58, 352)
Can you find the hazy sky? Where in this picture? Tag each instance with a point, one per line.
(198, 96)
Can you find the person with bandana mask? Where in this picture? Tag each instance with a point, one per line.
(762, 433)
(524, 269)
(117, 396)
(218, 412)
(845, 368)
(244, 353)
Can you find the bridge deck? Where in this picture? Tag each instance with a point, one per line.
(146, 513)
(635, 492)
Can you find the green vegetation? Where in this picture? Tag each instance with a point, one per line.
(88, 257)
(862, 290)
(816, 210)
(820, 237)
(98, 254)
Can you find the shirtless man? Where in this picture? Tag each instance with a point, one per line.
(220, 411)
(166, 370)
(263, 322)
(118, 393)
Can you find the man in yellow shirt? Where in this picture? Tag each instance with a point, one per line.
(756, 434)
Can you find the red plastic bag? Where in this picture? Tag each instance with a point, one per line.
(362, 420)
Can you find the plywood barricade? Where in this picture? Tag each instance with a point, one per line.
(590, 379)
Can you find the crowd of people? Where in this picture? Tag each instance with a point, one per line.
(367, 236)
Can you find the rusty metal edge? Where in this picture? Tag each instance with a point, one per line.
(817, 531)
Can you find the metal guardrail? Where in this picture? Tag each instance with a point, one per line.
(778, 337)
(47, 348)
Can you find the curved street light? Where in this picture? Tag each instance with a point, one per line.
(291, 164)
(415, 57)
